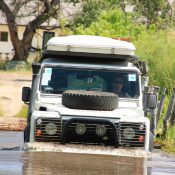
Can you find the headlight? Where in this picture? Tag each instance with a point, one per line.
(100, 130)
(51, 128)
(129, 133)
(80, 128)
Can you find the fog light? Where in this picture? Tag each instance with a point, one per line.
(129, 133)
(80, 128)
(51, 128)
(38, 132)
(141, 138)
(100, 130)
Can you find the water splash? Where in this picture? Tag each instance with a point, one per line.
(86, 149)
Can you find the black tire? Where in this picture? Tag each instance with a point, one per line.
(79, 99)
(151, 141)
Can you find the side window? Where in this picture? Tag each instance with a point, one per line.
(4, 36)
(46, 77)
(125, 84)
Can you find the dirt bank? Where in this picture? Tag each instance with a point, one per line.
(11, 84)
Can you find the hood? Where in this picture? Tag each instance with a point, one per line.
(126, 108)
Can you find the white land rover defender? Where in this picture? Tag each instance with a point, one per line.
(71, 99)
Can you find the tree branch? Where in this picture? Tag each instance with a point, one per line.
(6, 10)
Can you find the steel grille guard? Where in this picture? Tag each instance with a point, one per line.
(90, 121)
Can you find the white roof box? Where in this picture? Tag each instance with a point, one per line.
(90, 44)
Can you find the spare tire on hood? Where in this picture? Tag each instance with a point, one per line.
(91, 100)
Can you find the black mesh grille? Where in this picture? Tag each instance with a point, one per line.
(40, 133)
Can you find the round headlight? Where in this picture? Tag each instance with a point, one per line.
(51, 128)
(129, 133)
(80, 128)
(100, 130)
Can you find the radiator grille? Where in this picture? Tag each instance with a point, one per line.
(136, 141)
(90, 137)
(43, 136)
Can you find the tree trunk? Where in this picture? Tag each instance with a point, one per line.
(22, 47)
(20, 52)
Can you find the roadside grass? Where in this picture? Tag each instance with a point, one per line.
(2, 65)
(27, 70)
(21, 71)
(23, 112)
(159, 51)
(12, 66)
(169, 141)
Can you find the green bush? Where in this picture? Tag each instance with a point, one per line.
(2, 65)
(113, 23)
(159, 51)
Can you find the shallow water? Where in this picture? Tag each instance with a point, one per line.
(14, 161)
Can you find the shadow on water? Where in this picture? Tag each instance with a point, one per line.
(14, 161)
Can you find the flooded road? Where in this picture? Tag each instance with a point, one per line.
(14, 161)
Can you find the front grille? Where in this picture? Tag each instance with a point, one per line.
(139, 129)
(40, 133)
(90, 137)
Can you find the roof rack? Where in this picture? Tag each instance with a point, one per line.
(82, 55)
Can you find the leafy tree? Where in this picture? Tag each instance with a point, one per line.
(113, 23)
(152, 10)
(158, 12)
(38, 11)
(91, 10)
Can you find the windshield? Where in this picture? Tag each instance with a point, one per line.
(55, 80)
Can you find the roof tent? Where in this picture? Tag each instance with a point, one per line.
(90, 46)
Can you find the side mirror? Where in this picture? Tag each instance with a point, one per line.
(152, 101)
(150, 97)
(25, 94)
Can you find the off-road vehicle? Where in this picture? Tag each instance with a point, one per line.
(71, 99)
